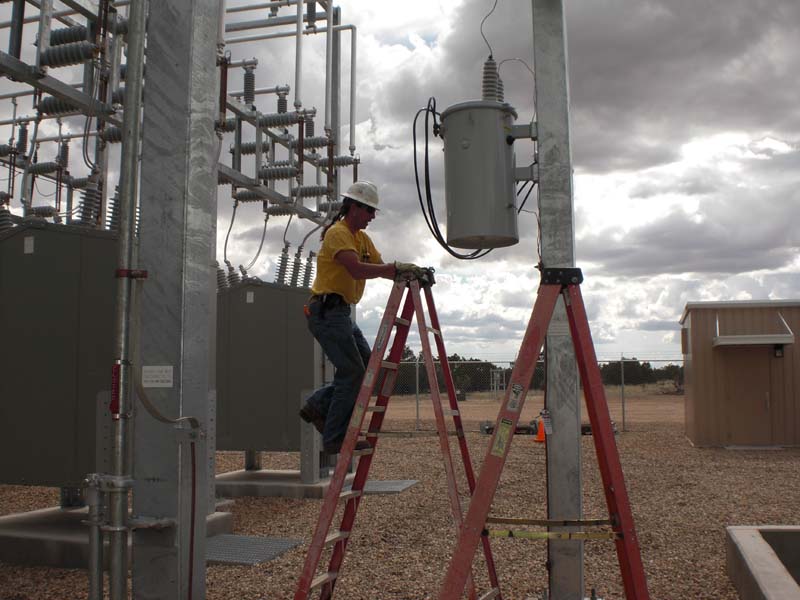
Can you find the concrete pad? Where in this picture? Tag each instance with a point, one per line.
(271, 484)
(57, 537)
(754, 565)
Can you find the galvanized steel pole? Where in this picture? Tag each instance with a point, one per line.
(565, 557)
(121, 382)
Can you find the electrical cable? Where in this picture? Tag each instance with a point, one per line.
(482, 22)
(233, 218)
(260, 246)
(428, 212)
(289, 222)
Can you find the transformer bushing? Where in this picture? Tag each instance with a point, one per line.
(68, 54)
(222, 278)
(113, 215)
(308, 273)
(233, 276)
(283, 261)
(90, 206)
(297, 267)
(5, 219)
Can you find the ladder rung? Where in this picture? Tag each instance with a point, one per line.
(350, 494)
(377, 409)
(323, 579)
(402, 321)
(435, 331)
(336, 536)
(492, 593)
(450, 412)
(363, 452)
(389, 365)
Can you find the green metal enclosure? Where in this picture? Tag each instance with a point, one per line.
(56, 318)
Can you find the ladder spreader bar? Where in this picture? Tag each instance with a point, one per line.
(336, 536)
(554, 535)
(549, 523)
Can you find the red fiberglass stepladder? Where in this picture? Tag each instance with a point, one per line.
(554, 283)
(381, 375)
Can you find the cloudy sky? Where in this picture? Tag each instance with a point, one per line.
(685, 138)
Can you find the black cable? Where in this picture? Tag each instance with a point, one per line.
(428, 211)
(525, 199)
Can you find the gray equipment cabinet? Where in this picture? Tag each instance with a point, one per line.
(56, 319)
(265, 361)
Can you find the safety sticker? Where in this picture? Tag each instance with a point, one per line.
(515, 400)
(388, 383)
(27, 244)
(157, 376)
(355, 420)
(502, 437)
(368, 377)
(381, 335)
(250, 297)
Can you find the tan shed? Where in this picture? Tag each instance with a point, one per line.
(742, 373)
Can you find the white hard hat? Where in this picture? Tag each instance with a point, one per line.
(364, 192)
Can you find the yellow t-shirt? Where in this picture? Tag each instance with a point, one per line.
(333, 278)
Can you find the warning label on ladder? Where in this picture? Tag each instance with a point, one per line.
(502, 437)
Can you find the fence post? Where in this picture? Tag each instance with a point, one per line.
(416, 426)
(622, 386)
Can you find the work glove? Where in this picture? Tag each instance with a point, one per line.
(408, 272)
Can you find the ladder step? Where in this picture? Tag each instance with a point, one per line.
(389, 365)
(350, 495)
(402, 321)
(492, 593)
(435, 331)
(450, 412)
(336, 536)
(323, 579)
(377, 409)
(364, 452)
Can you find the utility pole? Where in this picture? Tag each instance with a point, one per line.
(178, 301)
(565, 558)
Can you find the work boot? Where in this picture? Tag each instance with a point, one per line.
(336, 447)
(309, 414)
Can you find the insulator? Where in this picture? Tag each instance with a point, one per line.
(248, 196)
(227, 125)
(283, 261)
(278, 211)
(248, 148)
(120, 27)
(222, 279)
(283, 103)
(43, 168)
(223, 179)
(78, 183)
(249, 85)
(68, 54)
(311, 142)
(118, 95)
(308, 272)
(281, 163)
(5, 197)
(297, 267)
(245, 275)
(273, 11)
(50, 105)
(111, 134)
(44, 212)
(309, 128)
(310, 191)
(311, 11)
(274, 173)
(490, 79)
(332, 207)
(22, 139)
(5, 219)
(114, 212)
(5, 149)
(68, 35)
(233, 277)
(63, 154)
(90, 206)
(278, 119)
(500, 89)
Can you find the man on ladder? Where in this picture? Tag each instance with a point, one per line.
(346, 259)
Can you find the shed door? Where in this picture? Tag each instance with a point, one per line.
(746, 376)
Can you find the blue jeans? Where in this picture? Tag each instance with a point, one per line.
(345, 346)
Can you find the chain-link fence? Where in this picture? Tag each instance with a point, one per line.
(480, 379)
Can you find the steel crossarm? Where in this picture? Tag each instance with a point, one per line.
(619, 509)
(500, 444)
(459, 427)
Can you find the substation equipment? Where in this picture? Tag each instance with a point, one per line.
(107, 275)
(483, 188)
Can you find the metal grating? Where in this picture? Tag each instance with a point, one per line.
(390, 486)
(228, 549)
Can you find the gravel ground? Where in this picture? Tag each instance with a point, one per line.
(682, 498)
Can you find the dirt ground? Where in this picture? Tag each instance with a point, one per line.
(682, 499)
